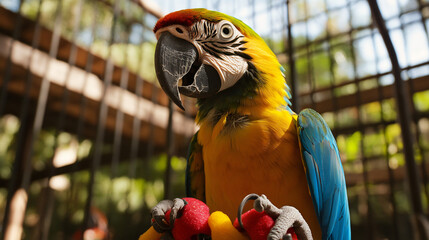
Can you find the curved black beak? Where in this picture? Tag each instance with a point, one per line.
(177, 59)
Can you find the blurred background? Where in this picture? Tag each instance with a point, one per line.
(89, 141)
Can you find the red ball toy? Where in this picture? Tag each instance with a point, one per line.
(192, 220)
(258, 225)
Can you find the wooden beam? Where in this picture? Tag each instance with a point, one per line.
(377, 176)
(366, 96)
(7, 26)
(150, 7)
(81, 84)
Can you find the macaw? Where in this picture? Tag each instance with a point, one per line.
(249, 139)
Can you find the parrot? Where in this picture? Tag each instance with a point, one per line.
(249, 138)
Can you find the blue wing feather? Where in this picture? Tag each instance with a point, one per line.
(325, 175)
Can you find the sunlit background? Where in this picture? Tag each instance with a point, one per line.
(89, 141)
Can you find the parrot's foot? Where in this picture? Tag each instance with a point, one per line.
(159, 220)
(285, 218)
(290, 217)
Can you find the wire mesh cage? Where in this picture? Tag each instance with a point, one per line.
(88, 141)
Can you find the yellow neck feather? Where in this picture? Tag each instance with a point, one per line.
(272, 93)
(256, 113)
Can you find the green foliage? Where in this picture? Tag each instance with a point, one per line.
(137, 57)
(374, 144)
(345, 90)
(329, 117)
(393, 135)
(389, 109)
(424, 137)
(371, 112)
(125, 201)
(349, 146)
(277, 46)
(44, 148)
(343, 66)
(9, 126)
(421, 101)
(347, 117)
(321, 66)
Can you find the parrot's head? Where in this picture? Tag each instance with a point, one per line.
(215, 58)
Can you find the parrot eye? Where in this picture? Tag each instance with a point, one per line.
(226, 31)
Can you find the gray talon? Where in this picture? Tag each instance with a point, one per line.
(159, 223)
(178, 204)
(263, 204)
(285, 218)
(158, 215)
(290, 217)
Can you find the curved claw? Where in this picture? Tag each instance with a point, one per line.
(159, 221)
(290, 217)
(285, 218)
(158, 216)
(178, 204)
(251, 196)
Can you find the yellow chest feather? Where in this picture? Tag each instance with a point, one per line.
(243, 155)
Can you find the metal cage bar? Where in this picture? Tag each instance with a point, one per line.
(95, 164)
(386, 152)
(405, 122)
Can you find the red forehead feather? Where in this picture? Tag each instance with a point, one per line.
(184, 17)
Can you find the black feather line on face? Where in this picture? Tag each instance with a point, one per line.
(231, 41)
(228, 53)
(219, 46)
(236, 45)
(213, 49)
(194, 31)
(243, 55)
(224, 43)
(211, 52)
(219, 51)
(210, 33)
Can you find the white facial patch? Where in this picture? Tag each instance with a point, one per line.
(217, 45)
(177, 30)
(230, 68)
